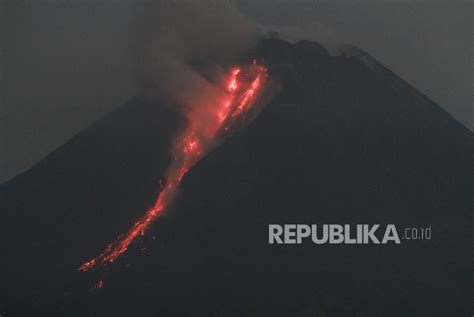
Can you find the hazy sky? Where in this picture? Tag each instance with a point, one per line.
(65, 63)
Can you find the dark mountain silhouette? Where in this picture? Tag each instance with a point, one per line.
(343, 141)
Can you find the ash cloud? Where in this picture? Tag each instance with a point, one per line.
(186, 45)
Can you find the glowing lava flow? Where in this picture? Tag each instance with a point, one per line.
(191, 146)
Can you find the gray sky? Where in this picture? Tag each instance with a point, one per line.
(66, 63)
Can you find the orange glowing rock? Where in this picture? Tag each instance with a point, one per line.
(190, 148)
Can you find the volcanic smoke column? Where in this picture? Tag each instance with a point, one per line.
(199, 137)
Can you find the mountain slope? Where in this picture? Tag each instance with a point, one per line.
(341, 142)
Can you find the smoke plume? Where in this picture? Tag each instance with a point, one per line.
(188, 44)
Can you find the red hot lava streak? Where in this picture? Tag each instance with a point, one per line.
(196, 140)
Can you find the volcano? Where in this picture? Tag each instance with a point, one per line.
(344, 140)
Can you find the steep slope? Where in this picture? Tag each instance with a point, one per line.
(343, 141)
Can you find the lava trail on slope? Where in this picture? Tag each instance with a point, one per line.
(207, 128)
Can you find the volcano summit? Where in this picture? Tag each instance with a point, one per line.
(343, 141)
